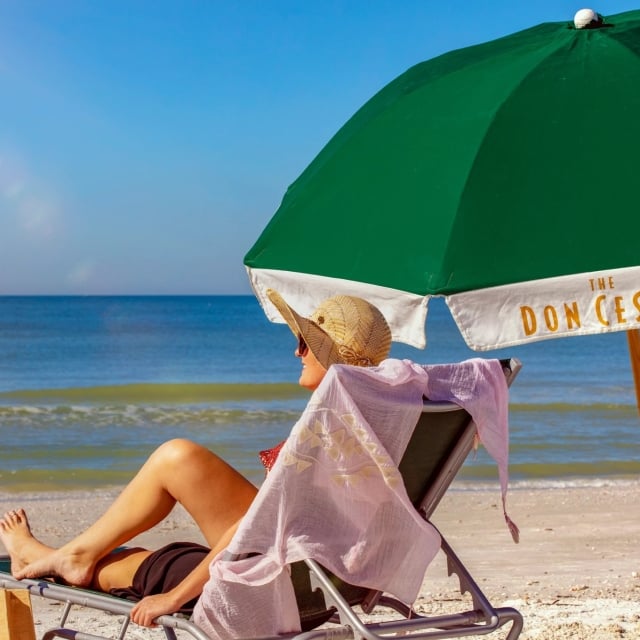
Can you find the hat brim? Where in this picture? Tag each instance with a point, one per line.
(319, 341)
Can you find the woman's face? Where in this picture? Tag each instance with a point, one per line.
(312, 371)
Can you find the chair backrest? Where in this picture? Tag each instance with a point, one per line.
(440, 443)
(437, 433)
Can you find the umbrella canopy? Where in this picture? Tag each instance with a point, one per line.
(502, 176)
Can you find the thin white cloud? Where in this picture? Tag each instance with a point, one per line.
(81, 273)
(33, 207)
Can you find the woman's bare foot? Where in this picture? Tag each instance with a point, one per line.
(19, 542)
(70, 566)
(31, 558)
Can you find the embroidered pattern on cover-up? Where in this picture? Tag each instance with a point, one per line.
(349, 445)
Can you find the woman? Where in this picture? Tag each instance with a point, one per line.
(343, 329)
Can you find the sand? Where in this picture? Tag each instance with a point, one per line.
(575, 573)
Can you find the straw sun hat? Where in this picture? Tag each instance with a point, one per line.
(342, 330)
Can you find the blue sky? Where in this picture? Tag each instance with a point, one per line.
(145, 144)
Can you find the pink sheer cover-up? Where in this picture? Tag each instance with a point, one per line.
(335, 493)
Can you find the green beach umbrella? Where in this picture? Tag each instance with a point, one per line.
(504, 177)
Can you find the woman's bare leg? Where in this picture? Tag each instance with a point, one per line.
(214, 493)
(115, 570)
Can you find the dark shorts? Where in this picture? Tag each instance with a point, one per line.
(170, 565)
(163, 570)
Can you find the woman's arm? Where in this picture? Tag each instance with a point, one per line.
(149, 608)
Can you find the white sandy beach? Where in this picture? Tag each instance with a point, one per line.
(574, 574)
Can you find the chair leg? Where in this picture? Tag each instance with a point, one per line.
(508, 614)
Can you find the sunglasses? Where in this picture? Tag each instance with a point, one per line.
(302, 346)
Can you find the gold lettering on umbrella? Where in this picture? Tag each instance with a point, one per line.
(572, 315)
(599, 284)
(601, 318)
(528, 320)
(609, 311)
(619, 309)
(551, 318)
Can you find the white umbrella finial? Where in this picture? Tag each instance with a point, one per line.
(585, 17)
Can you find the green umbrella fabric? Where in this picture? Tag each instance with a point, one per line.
(503, 176)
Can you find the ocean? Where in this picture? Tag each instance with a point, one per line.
(89, 386)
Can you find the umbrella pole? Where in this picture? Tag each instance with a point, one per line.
(633, 336)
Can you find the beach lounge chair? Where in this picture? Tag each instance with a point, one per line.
(441, 441)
